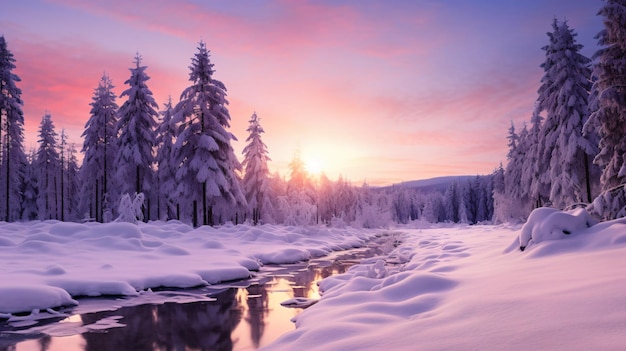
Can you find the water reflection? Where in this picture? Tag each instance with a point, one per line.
(170, 326)
(245, 315)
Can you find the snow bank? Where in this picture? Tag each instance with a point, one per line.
(20, 298)
(550, 224)
(457, 289)
(45, 264)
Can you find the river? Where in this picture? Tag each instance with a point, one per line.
(243, 315)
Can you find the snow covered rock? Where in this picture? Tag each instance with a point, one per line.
(551, 224)
(299, 302)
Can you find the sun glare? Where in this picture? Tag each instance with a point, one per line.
(313, 166)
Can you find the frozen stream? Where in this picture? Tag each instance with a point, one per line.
(242, 315)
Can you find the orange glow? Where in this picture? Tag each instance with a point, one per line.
(313, 166)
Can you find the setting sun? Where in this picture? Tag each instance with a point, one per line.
(313, 166)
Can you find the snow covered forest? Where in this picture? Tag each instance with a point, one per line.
(177, 161)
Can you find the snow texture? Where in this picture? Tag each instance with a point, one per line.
(461, 288)
(45, 264)
(550, 224)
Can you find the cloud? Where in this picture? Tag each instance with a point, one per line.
(60, 77)
(275, 28)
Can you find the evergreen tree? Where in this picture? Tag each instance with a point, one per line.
(298, 176)
(135, 136)
(610, 86)
(564, 96)
(203, 151)
(300, 193)
(166, 170)
(31, 190)
(515, 203)
(500, 200)
(99, 148)
(12, 121)
(536, 177)
(71, 184)
(345, 200)
(256, 178)
(48, 166)
(452, 202)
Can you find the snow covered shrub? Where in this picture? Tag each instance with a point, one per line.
(130, 210)
(373, 216)
(546, 223)
(297, 209)
(509, 210)
(338, 222)
(610, 204)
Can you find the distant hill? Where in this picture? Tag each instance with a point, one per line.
(433, 184)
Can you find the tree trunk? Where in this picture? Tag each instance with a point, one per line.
(194, 216)
(210, 215)
(62, 192)
(104, 181)
(8, 144)
(97, 215)
(204, 208)
(587, 180)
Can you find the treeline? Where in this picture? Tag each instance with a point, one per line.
(573, 153)
(181, 160)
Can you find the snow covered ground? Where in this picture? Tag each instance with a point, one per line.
(471, 288)
(443, 288)
(46, 264)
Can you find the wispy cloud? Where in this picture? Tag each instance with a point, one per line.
(416, 88)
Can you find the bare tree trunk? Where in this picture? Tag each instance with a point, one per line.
(204, 208)
(587, 180)
(194, 216)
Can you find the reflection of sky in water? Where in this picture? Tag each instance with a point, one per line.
(242, 318)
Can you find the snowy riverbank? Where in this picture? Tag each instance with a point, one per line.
(471, 288)
(463, 287)
(46, 264)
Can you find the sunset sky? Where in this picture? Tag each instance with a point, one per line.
(382, 91)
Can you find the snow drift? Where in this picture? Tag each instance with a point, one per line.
(457, 289)
(46, 264)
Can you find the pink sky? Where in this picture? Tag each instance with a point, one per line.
(379, 91)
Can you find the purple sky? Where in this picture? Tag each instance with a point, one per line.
(382, 91)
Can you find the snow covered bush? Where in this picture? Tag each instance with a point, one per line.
(297, 209)
(546, 223)
(130, 210)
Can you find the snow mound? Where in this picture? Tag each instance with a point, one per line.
(123, 259)
(28, 298)
(551, 224)
(457, 290)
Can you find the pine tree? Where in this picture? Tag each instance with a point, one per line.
(12, 121)
(452, 202)
(71, 184)
(515, 203)
(31, 190)
(256, 176)
(48, 166)
(300, 191)
(564, 96)
(166, 171)
(536, 177)
(136, 137)
(298, 176)
(203, 151)
(99, 148)
(609, 68)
